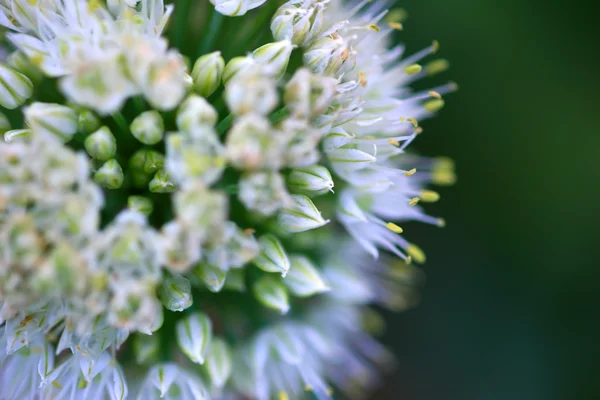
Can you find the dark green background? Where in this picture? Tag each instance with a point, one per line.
(509, 309)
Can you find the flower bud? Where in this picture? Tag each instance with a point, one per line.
(263, 192)
(148, 127)
(140, 204)
(176, 293)
(196, 114)
(167, 82)
(212, 277)
(235, 66)
(274, 56)
(52, 120)
(20, 62)
(272, 257)
(271, 293)
(161, 183)
(304, 279)
(207, 73)
(253, 144)
(147, 161)
(219, 362)
(201, 209)
(298, 24)
(15, 88)
(4, 124)
(88, 122)
(101, 144)
(235, 8)
(310, 181)
(252, 91)
(301, 216)
(110, 175)
(146, 348)
(182, 246)
(194, 334)
(330, 55)
(307, 95)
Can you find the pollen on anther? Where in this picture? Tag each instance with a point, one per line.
(414, 201)
(435, 94)
(393, 227)
(394, 142)
(410, 172)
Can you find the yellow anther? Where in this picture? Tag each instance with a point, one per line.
(283, 396)
(416, 253)
(373, 27)
(435, 94)
(429, 196)
(56, 384)
(443, 177)
(393, 227)
(444, 163)
(396, 15)
(394, 142)
(414, 201)
(362, 79)
(402, 119)
(396, 26)
(82, 384)
(413, 69)
(411, 172)
(437, 66)
(419, 130)
(434, 105)
(408, 260)
(413, 121)
(435, 46)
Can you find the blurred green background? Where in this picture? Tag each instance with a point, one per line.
(509, 309)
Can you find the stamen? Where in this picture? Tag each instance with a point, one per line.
(413, 69)
(429, 196)
(393, 142)
(435, 94)
(436, 66)
(362, 78)
(416, 253)
(394, 228)
(396, 26)
(414, 201)
(434, 105)
(411, 172)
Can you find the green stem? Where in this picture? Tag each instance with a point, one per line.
(121, 121)
(211, 35)
(182, 13)
(225, 124)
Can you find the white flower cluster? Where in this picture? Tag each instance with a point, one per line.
(173, 232)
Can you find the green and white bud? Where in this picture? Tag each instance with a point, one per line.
(272, 257)
(271, 293)
(212, 277)
(253, 144)
(148, 127)
(304, 279)
(146, 348)
(196, 114)
(194, 334)
(17, 134)
(207, 73)
(301, 216)
(110, 175)
(307, 95)
(51, 120)
(4, 124)
(235, 66)
(219, 362)
(297, 22)
(147, 161)
(101, 144)
(88, 122)
(161, 183)
(330, 55)
(140, 204)
(176, 293)
(20, 62)
(263, 192)
(310, 181)
(253, 91)
(15, 88)
(274, 56)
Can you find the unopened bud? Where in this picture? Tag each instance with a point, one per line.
(147, 161)
(101, 144)
(88, 122)
(212, 277)
(272, 257)
(252, 91)
(15, 88)
(110, 175)
(235, 66)
(194, 334)
(274, 56)
(301, 215)
(271, 293)
(263, 192)
(307, 95)
(304, 279)
(140, 204)
(310, 181)
(20, 62)
(195, 114)
(161, 183)
(148, 127)
(176, 293)
(207, 73)
(219, 362)
(52, 120)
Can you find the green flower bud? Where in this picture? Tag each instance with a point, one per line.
(311, 181)
(101, 144)
(235, 66)
(301, 216)
(140, 204)
(148, 127)
(219, 362)
(147, 161)
(17, 134)
(271, 293)
(275, 56)
(161, 183)
(15, 88)
(196, 113)
(207, 73)
(212, 277)
(52, 120)
(194, 335)
(176, 293)
(272, 257)
(304, 279)
(19, 61)
(88, 122)
(110, 175)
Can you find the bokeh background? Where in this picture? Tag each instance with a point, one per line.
(509, 309)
